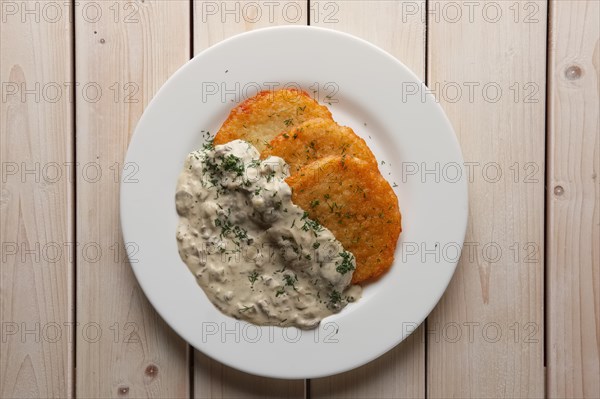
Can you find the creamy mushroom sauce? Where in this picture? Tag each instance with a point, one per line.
(256, 255)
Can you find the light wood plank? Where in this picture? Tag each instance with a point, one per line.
(400, 373)
(213, 22)
(36, 201)
(573, 201)
(128, 50)
(486, 337)
(214, 380)
(397, 26)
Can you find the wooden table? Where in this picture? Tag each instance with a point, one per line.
(519, 81)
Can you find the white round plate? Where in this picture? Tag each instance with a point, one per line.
(368, 90)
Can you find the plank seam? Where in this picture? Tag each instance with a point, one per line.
(547, 178)
(191, 370)
(191, 11)
(426, 78)
(74, 194)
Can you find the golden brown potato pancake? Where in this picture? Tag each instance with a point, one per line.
(351, 198)
(316, 139)
(262, 117)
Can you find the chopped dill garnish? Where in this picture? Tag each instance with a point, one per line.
(253, 277)
(231, 163)
(208, 146)
(290, 280)
(244, 309)
(225, 226)
(346, 265)
(310, 224)
(240, 232)
(335, 297)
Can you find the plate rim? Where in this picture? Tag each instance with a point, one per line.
(206, 52)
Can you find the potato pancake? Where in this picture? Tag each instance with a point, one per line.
(316, 139)
(262, 117)
(351, 198)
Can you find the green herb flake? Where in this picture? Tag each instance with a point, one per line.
(231, 163)
(253, 277)
(335, 297)
(346, 265)
(290, 280)
(244, 309)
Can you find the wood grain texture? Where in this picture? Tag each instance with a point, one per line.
(573, 201)
(36, 201)
(126, 51)
(218, 20)
(400, 373)
(485, 338)
(214, 380)
(398, 27)
(213, 22)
